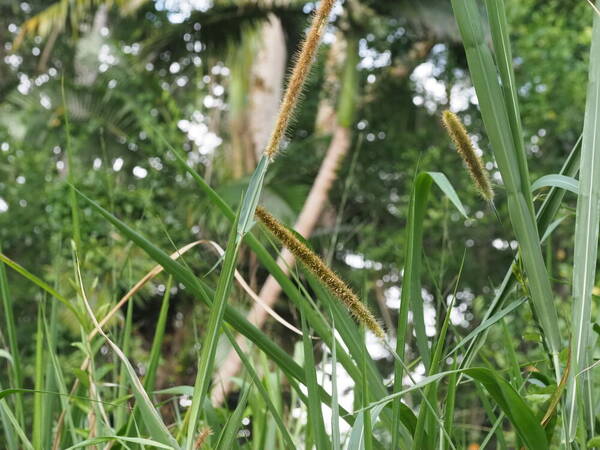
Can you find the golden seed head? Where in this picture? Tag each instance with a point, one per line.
(317, 266)
(465, 149)
(204, 434)
(299, 74)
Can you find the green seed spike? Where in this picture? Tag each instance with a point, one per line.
(465, 149)
(316, 265)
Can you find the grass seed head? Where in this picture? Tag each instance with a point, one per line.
(299, 74)
(204, 434)
(317, 266)
(465, 149)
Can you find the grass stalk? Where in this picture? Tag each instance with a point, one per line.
(510, 162)
(579, 389)
(209, 345)
(16, 371)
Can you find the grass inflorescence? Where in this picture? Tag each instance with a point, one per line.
(317, 266)
(465, 149)
(299, 75)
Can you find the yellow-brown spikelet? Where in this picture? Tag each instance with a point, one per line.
(299, 74)
(464, 147)
(204, 434)
(316, 265)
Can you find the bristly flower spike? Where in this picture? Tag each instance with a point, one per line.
(316, 265)
(465, 149)
(299, 74)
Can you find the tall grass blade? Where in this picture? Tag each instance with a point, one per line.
(411, 287)
(38, 397)
(315, 414)
(157, 341)
(10, 439)
(91, 443)
(16, 371)
(496, 120)
(209, 344)
(368, 424)
(75, 222)
(122, 411)
(502, 50)
(251, 197)
(586, 247)
(335, 411)
(426, 421)
(450, 403)
(6, 412)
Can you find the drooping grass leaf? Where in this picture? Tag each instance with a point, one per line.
(557, 180)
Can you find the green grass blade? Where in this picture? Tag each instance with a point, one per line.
(557, 180)
(444, 184)
(59, 379)
(450, 403)
(350, 335)
(368, 425)
(489, 412)
(421, 440)
(483, 326)
(9, 438)
(150, 376)
(157, 341)
(15, 424)
(586, 245)
(315, 415)
(16, 371)
(411, 293)
(209, 344)
(229, 433)
(335, 411)
(75, 222)
(90, 443)
(38, 398)
(261, 389)
(496, 120)
(40, 283)
(251, 197)
(123, 411)
(502, 50)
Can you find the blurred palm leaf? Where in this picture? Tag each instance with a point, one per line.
(59, 14)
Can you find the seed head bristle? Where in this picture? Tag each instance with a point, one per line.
(299, 74)
(204, 434)
(318, 267)
(465, 149)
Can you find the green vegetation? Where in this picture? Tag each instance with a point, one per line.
(140, 142)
